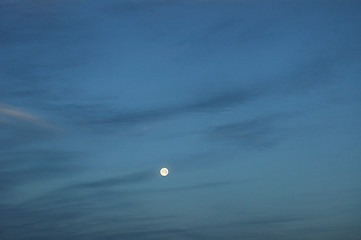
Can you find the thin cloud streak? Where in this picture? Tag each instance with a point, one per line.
(259, 133)
(19, 128)
(137, 177)
(211, 104)
(9, 114)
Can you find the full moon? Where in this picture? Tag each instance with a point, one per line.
(164, 172)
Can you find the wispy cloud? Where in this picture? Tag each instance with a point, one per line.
(19, 130)
(118, 181)
(107, 117)
(91, 211)
(201, 186)
(258, 133)
(271, 220)
(10, 114)
(19, 127)
(18, 168)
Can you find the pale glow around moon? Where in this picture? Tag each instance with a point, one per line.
(164, 172)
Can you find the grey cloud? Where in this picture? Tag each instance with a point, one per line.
(258, 133)
(271, 220)
(100, 191)
(75, 222)
(222, 100)
(24, 167)
(122, 208)
(217, 102)
(201, 186)
(70, 213)
(344, 230)
(273, 227)
(103, 117)
(81, 196)
(208, 185)
(116, 181)
(16, 138)
(319, 72)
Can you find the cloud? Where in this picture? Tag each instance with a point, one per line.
(201, 186)
(21, 167)
(258, 133)
(137, 177)
(19, 128)
(113, 118)
(10, 114)
(81, 214)
(207, 185)
(271, 220)
(19, 131)
(104, 193)
(273, 227)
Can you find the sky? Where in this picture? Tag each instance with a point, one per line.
(253, 106)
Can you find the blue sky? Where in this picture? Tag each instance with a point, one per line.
(253, 106)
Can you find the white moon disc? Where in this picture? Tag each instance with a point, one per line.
(164, 172)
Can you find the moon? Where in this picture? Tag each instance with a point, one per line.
(164, 172)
